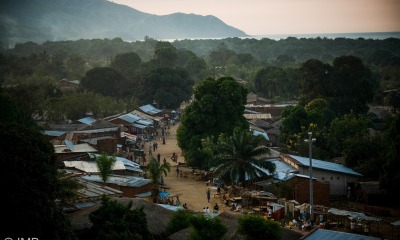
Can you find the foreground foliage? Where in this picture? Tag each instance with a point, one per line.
(115, 221)
(255, 227)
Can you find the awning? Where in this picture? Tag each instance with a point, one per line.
(130, 136)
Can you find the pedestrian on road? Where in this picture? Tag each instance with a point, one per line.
(208, 192)
(216, 208)
(158, 157)
(177, 171)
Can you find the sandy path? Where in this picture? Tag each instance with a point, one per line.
(193, 191)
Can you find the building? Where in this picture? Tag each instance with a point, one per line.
(338, 176)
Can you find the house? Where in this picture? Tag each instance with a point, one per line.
(338, 176)
(133, 124)
(151, 110)
(86, 163)
(130, 186)
(70, 150)
(89, 193)
(68, 86)
(100, 134)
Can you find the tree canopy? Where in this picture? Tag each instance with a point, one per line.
(217, 108)
(241, 157)
(30, 181)
(106, 81)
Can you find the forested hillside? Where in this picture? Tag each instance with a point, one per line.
(55, 20)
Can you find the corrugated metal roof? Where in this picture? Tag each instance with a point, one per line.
(129, 181)
(146, 116)
(91, 166)
(87, 120)
(319, 164)
(128, 164)
(351, 214)
(144, 122)
(336, 235)
(129, 118)
(98, 130)
(282, 170)
(53, 133)
(150, 109)
(84, 147)
(257, 116)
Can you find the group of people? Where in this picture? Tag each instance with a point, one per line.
(215, 209)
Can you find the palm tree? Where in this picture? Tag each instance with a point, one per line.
(104, 165)
(241, 156)
(156, 172)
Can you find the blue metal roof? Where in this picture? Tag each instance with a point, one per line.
(144, 122)
(319, 164)
(336, 235)
(87, 120)
(150, 109)
(129, 118)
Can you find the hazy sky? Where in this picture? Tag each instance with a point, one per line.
(266, 17)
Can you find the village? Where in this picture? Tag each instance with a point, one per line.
(341, 203)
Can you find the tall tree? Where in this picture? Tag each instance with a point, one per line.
(126, 63)
(217, 107)
(30, 180)
(106, 81)
(241, 157)
(156, 172)
(105, 165)
(168, 87)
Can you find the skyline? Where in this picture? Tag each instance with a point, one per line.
(274, 17)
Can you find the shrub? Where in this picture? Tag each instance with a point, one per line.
(255, 227)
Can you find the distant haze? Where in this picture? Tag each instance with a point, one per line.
(262, 17)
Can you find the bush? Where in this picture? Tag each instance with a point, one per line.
(255, 227)
(206, 228)
(180, 220)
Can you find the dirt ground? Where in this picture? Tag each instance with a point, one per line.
(193, 191)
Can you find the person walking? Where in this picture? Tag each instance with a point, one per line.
(158, 157)
(216, 208)
(208, 192)
(177, 171)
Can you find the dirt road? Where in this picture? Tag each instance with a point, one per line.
(193, 191)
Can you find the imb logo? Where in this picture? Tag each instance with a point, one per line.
(21, 238)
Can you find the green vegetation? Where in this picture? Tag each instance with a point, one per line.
(334, 81)
(156, 172)
(180, 220)
(206, 228)
(217, 108)
(105, 165)
(239, 157)
(255, 227)
(117, 221)
(33, 188)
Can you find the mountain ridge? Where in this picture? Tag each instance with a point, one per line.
(55, 20)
